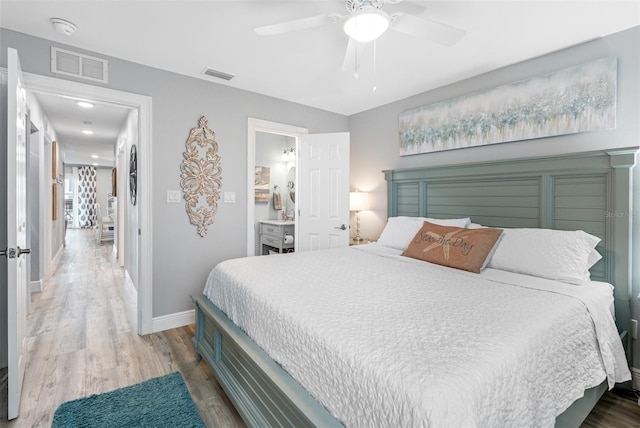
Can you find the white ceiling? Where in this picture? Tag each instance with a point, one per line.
(69, 120)
(306, 66)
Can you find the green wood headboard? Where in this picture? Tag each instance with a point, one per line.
(590, 191)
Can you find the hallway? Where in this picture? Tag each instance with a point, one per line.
(81, 340)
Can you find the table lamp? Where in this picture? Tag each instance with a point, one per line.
(358, 201)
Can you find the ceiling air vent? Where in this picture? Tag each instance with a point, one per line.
(79, 65)
(219, 74)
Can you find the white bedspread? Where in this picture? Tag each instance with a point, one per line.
(383, 340)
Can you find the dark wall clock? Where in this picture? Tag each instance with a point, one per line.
(133, 174)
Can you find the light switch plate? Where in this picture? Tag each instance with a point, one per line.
(174, 196)
(230, 197)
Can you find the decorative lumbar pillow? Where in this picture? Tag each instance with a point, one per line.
(400, 230)
(456, 247)
(560, 255)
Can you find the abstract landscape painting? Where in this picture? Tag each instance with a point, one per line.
(576, 99)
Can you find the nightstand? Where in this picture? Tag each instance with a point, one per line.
(273, 234)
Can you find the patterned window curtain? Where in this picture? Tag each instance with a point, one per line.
(87, 196)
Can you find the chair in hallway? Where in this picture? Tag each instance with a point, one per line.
(106, 226)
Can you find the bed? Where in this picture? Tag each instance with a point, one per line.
(291, 362)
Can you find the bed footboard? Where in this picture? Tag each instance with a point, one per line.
(263, 393)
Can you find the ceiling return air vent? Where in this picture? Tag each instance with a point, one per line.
(219, 74)
(79, 65)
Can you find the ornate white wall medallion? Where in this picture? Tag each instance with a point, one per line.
(201, 176)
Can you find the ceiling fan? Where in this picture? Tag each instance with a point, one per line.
(366, 21)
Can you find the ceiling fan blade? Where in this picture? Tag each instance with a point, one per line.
(408, 7)
(295, 25)
(432, 30)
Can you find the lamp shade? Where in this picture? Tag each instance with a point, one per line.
(358, 201)
(367, 24)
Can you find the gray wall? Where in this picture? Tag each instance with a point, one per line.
(374, 133)
(34, 260)
(129, 220)
(57, 225)
(181, 258)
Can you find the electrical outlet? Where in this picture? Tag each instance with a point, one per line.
(230, 197)
(634, 329)
(174, 196)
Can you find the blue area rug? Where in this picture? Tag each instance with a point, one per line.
(161, 402)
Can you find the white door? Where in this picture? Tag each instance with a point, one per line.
(16, 229)
(323, 191)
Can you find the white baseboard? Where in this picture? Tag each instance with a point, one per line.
(55, 259)
(130, 288)
(179, 319)
(36, 286)
(635, 378)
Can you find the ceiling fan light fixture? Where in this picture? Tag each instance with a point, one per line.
(366, 24)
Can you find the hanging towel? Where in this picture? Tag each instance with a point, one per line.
(277, 201)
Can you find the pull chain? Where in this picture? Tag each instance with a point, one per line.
(355, 72)
(374, 65)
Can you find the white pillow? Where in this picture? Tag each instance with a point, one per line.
(554, 254)
(475, 226)
(399, 231)
(594, 257)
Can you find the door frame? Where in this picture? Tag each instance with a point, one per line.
(253, 126)
(66, 88)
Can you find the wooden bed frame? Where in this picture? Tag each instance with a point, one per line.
(589, 191)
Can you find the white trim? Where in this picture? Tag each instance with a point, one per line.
(272, 128)
(54, 260)
(179, 319)
(67, 88)
(36, 286)
(130, 289)
(635, 378)
(145, 174)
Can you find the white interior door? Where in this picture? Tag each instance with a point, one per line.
(17, 280)
(323, 191)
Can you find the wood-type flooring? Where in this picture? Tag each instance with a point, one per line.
(82, 340)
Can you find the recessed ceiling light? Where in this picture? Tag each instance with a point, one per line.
(95, 164)
(84, 104)
(63, 26)
(94, 156)
(87, 131)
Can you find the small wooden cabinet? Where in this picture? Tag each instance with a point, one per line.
(274, 233)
